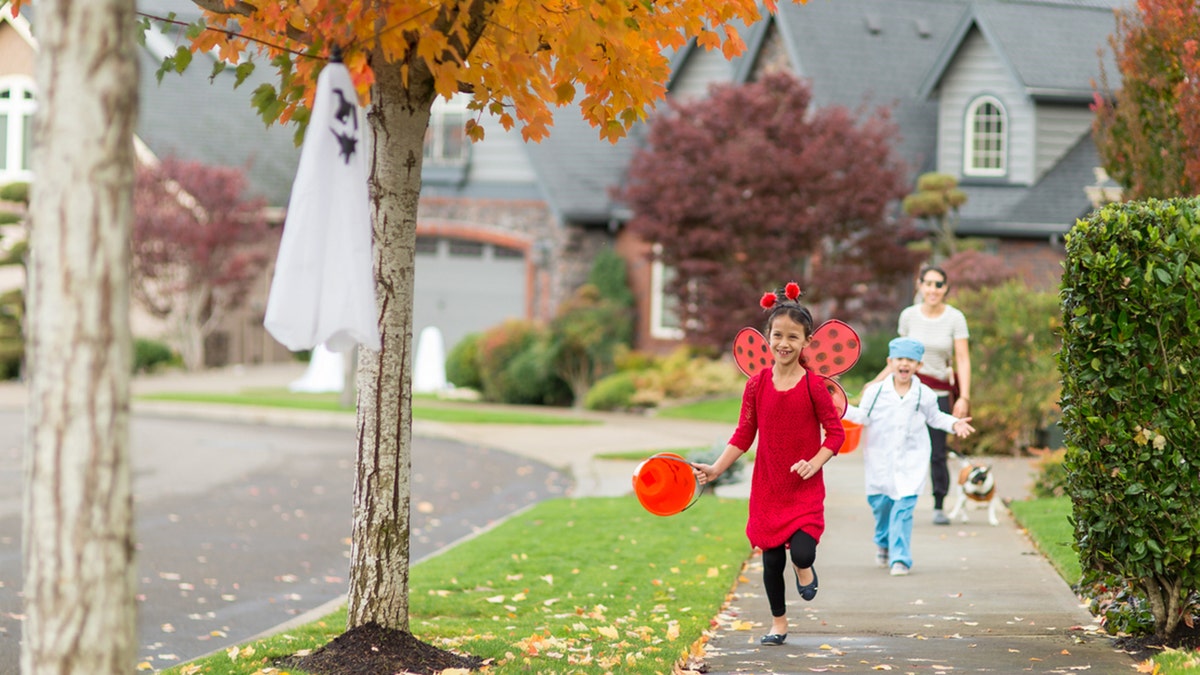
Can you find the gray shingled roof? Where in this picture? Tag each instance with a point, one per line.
(871, 53)
(1051, 47)
(211, 122)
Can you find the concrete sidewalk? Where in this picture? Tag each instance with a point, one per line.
(979, 598)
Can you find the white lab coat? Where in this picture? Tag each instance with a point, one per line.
(896, 447)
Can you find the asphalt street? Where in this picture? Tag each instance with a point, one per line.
(242, 527)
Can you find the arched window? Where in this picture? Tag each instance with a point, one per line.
(986, 138)
(17, 106)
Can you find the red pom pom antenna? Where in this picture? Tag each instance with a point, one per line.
(792, 290)
(767, 301)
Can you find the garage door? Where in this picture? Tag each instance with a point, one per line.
(465, 286)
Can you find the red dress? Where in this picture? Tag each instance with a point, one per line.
(788, 425)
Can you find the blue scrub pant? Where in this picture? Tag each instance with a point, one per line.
(894, 526)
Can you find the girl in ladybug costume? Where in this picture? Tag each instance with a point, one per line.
(785, 407)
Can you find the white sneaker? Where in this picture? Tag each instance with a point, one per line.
(939, 517)
(899, 569)
(881, 555)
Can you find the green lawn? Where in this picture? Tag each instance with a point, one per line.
(1048, 523)
(711, 410)
(459, 412)
(591, 585)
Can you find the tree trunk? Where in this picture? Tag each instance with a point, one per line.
(80, 575)
(379, 562)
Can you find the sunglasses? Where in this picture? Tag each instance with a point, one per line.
(935, 284)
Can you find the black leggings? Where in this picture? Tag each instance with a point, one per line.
(939, 474)
(804, 554)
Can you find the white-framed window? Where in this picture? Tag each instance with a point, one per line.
(445, 140)
(985, 151)
(664, 309)
(17, 105)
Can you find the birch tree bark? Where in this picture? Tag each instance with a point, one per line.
(396, 120)
(78, 513)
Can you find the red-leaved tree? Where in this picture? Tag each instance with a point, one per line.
(752, 187)
(198, 243)
(1148, 131)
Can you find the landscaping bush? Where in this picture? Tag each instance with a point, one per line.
(1129, 362)
(1015, 383)
(584, 338)
(1051, 479)
(149, 355)
(529, 378)
(462, 363)
(614, 392)
(710, 456)
(609, 277)
(498, 346)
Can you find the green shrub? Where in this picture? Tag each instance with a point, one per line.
(529, 378)
(149, 355)
(711, 455)
(462, 363)
(1015, 383)
(1051, 479)
(614, 392)
(584, 338)
(609, 277)
(1129, 361)
(498, 346)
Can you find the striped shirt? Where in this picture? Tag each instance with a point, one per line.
(938, 336)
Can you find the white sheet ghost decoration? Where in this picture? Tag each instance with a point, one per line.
(323, 291)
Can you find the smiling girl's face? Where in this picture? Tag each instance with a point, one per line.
(787, 338)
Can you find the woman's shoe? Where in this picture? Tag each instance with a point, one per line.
(807, 591)
(773, 639)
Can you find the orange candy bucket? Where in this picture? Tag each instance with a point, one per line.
(665, 484)
(853, 436)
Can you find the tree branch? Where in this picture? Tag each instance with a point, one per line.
(246, 9)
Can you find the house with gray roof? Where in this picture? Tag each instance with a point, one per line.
(994, 92)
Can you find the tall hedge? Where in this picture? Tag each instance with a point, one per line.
(1130, 361)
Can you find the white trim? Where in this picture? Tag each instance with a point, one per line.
(658, 274)
(442, 110)
(18, 111)
(1000, 136)
(18, 22)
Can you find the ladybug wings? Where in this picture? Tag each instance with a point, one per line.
(833, 349)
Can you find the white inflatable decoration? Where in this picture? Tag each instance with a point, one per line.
(326, 373)
(429, 374)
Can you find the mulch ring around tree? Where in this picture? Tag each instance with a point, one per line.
(371, 649)
(1143, 647)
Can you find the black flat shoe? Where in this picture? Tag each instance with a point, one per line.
(809, 591)
(773, 639)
